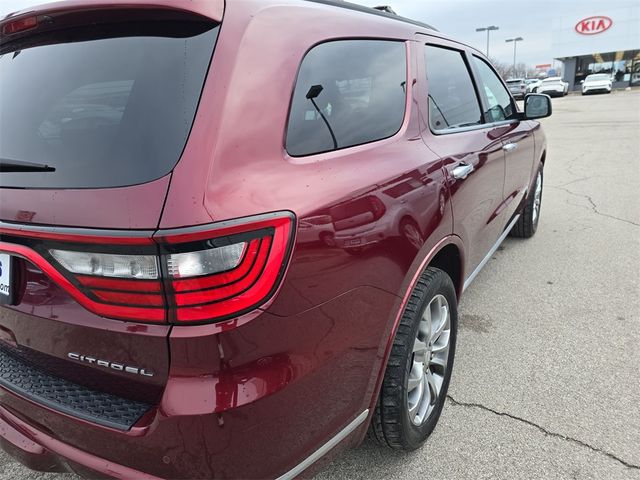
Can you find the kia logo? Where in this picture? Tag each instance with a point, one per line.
(593, 25)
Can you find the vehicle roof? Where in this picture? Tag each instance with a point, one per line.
(208, 8)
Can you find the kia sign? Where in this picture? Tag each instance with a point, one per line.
(593, 25)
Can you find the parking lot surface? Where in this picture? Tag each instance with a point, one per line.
(546, 381)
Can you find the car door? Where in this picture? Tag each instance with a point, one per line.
(516, 136)
(472, 153)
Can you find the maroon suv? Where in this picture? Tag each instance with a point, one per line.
(233, 236)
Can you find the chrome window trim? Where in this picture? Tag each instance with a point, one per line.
(480, 126)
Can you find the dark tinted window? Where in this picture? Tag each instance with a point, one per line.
(452, 98)
(347, 93)
(498, 98)
(103, 109)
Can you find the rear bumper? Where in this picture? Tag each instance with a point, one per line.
(241, 401)
(42, 452)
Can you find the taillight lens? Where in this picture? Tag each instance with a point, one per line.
(144, 267)
(198, 275)
(239, 271)
(205, 262)
(20, 25)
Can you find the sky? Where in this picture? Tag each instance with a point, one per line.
(529, 19)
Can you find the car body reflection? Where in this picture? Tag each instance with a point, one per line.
(397, 209)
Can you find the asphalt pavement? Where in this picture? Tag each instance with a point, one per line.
(546, 382)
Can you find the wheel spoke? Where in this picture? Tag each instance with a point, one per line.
(415, 376)
(430, 355)
(443, 342)
(424, 329)
(433, 387)
(419, 347)
(439, 361)
(437, 328)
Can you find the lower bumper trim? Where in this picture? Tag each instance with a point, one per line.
(324, 449)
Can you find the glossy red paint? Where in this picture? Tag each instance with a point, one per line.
(310, 360)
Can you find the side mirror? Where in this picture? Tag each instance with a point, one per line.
(537, 105)
(581, 82)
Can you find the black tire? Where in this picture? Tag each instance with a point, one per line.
(527, 225)
(328, 239)
(391, 425)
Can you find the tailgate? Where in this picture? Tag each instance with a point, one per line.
(96, 106)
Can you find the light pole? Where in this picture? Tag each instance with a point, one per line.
(515, 42)
(487, 29)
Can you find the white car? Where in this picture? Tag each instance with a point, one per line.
(598, 82)
(554, 87)
(533, 84)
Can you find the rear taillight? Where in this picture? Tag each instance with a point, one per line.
(196, 275)
(20, 25)
(214, 275)
(377, 207)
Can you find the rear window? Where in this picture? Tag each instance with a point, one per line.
(102, 109)
(348, 92)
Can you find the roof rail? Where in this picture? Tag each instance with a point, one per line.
(385, 8)
(373, 11)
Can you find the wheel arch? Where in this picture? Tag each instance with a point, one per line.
(448, 255)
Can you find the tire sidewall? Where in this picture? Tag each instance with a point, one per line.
(413, 434)
(534, 225)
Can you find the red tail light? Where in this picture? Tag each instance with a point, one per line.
(196, 275)
(377, 207)
(19, 25)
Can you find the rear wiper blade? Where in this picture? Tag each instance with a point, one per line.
(8, 165)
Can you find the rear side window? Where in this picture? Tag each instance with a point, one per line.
(498, 98)
(347, 93)
(106, 106)
(452, 99)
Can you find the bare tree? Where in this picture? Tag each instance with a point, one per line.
(506, 71)
(503, 69)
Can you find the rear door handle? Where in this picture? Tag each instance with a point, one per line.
(509, 147)
(462, 171)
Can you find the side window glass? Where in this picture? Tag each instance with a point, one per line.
(500, 104)
(452, 98)
(347, 93)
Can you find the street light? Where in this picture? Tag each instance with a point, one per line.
(487, 29)
(515, 42)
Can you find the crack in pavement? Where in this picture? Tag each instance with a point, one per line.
(543, 430)
(594, 207)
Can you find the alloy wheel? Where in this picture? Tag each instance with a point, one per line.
(430, 358)
(537, 198)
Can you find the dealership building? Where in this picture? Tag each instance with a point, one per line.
(603, 41)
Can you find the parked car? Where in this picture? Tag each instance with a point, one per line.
(170, 307)
(533, 84)
(395, 209)
(318, 228)
(598, 82)
(554, 87)
(517, 87)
